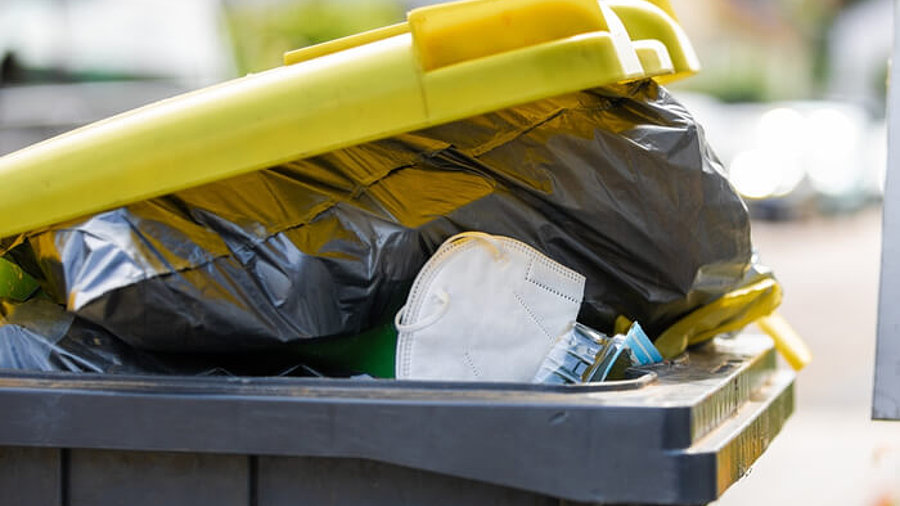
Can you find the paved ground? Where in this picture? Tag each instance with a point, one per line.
(830, 452)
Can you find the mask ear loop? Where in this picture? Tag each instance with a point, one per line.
(444, 299)
(486, 239)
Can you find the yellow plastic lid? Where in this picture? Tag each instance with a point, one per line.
(447, 62)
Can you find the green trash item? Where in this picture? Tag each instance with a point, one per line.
(14, 282)
(371, 352)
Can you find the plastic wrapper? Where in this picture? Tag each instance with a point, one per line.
(616, 183)
(583, 355)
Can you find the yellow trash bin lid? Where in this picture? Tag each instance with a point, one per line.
(445, 63)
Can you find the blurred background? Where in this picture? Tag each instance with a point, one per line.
(792, 98)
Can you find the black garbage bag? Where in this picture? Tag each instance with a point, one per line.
(617, 183)
(40, 335)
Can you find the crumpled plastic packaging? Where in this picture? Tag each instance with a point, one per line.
(617, 183)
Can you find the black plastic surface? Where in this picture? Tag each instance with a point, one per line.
(681, 439)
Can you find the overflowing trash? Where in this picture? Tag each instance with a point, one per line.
(617, 184)
(301, 235)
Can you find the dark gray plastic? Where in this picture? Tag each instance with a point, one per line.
(682, 439)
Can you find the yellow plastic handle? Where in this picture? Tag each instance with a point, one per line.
(735, 310)
(787, 341)
(730, 312)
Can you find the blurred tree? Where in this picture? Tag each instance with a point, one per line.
(761, 49)
(262, 31)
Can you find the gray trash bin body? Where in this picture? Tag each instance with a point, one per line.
(677, 433)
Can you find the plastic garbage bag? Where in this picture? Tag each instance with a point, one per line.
(617, 183)
(40, 335)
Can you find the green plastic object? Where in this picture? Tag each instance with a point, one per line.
(14, 282)
(371, 352)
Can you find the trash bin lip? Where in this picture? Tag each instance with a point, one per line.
(288, 386)
(547, 443)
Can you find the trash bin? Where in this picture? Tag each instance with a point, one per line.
(679, 433)
(675, 433)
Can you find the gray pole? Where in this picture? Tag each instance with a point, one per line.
(886, 397)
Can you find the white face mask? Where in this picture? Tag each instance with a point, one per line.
(485, 308)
